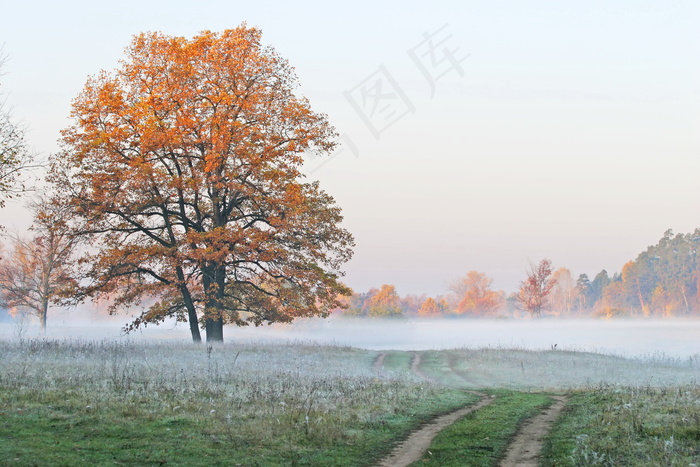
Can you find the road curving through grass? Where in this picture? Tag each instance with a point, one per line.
(414, 447)
(526, 448)
(482, 437)
(478, 434)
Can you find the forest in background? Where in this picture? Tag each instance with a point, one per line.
(663, 281)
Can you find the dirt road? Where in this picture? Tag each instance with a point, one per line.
(415, 446)
(525, 449)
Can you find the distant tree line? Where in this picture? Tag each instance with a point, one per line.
(662, 281)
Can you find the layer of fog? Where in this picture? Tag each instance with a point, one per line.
(671, 337)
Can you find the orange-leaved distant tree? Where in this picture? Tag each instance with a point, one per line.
(536, 287)
(37, 272)
(473, 295)
(183, 167)
(432, 308)
(385, 303)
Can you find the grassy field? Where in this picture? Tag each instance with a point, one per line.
(100, 403)
(634, 425)
(482, 436)
(71, 402)
(636, 412)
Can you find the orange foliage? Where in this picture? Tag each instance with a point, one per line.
(385, 303)
(184, 165)
(662, 302)
(474, 295)
(432, 308)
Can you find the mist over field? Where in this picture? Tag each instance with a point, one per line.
(629, 338)
(472, 227)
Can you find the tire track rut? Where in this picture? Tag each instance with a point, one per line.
(525, 449)
(378, 364)
(414, 447)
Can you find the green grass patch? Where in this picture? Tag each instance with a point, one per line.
(481, 438)
(437, 365)
(399, 361)
(79, 403)
(139, 432)
(125, 403)
(552, 370)
(642, 426)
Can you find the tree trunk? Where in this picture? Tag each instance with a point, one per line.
(192, 317)
(189, 304)
(215, 329)
(44, 312)
(645, 309)
(214, 280)
(685, 300)
(194, 326)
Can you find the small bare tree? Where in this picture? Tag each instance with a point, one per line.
(15, 158)
(535, 288)
(35, 272)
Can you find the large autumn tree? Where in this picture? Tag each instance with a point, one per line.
(183, 169)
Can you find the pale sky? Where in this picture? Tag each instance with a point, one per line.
(567, 130)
